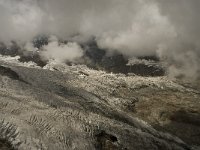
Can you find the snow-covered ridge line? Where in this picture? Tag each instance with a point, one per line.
(82, 71)
(15, 61)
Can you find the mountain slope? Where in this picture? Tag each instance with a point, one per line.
(74, 107)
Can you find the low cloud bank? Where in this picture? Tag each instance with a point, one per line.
(168, 29)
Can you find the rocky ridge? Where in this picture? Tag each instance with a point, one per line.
(75, 107)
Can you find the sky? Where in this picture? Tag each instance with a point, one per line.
(166, 28)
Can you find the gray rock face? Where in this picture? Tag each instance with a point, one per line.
(73, 107)
(97, 58)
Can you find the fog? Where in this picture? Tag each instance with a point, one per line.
(61, 52)
(168, 29)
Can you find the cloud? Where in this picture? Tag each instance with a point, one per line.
(21, 20)
(147, 30)
(182, 52)
(61, 52)
(169, 28)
